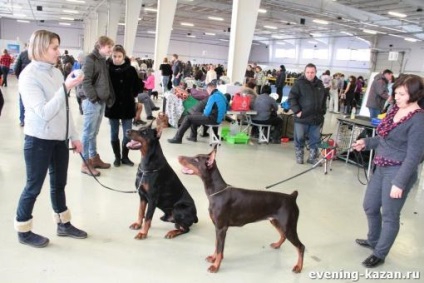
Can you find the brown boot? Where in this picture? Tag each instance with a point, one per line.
(96, 162)
(86, 170)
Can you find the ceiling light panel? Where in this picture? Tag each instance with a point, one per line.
(318, 21)
(216, 19)
(187, 24)
(396, 14)
(70, 11)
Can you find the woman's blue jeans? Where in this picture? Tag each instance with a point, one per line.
(313, 132)
(114, 130)
(42, 156)
(93, 114)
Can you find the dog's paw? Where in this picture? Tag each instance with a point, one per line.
(135, 226)
(213, 269)
(140, 236)
(210, 258)
(275, 245)
(297, 269)
(173, 234)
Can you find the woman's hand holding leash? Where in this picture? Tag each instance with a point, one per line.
(359, 145)
(76, 146)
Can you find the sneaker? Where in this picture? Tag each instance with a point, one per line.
(150, 118)
(127, 161)
(175, 140)
(139, 122)
(155, 108)
(68, 230)
(191, 139)
(32, 239)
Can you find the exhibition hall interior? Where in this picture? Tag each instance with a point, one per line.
(337, 53)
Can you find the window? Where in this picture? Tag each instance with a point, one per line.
(315, 54)
(285, 53)
(353, 55)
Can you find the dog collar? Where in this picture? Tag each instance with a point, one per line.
(218, 192)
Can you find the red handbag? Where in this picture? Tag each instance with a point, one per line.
(240, 102)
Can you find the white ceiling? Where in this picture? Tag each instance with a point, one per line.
(346, 18)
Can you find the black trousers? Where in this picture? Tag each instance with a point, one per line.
(193, 121)
(277, 126)
(280, 93)
(1, 101)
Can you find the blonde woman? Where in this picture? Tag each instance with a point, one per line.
(47, 131)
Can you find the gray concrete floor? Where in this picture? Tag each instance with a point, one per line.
(331, 217)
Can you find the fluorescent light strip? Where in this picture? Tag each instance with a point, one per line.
(410, 39)
(23, 21)
(187, 24)
(76, 1)
(395, 35)
(70, 11)
(277, 36)
(121, 24)
(64, 24)
(347, 33)
(67, 18)
(150, 9)
(151, 32)
(263, 11)
(396, 14)
(369, 31)
(312, 42)
(281, 43)
(318, 21)
(19, 15)
(222, 39)
(210, 33)
(270, 27)
(192, 36)
(216, 18)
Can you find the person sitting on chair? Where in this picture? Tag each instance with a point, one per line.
(213, 114)
(266, 108)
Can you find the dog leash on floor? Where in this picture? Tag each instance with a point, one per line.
(301, 173)
(104, 186)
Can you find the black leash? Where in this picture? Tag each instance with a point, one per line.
(359, 159)
(83, 159)
(301, 173)
(104, 186)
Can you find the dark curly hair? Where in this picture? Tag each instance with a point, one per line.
(414, 85)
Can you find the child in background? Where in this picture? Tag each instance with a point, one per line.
(149, 83)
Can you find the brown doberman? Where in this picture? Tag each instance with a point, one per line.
(159, 186)
(230, 206)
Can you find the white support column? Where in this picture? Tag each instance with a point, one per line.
(102, 19)
(87, 24)
(114, 14)
(164, 21)
(243, 23)
(132, 12)
(93, 29)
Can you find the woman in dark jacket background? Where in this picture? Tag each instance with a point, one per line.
(126, 86)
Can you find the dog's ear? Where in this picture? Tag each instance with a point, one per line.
(211, 158)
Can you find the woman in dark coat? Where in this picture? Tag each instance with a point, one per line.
(126, 86)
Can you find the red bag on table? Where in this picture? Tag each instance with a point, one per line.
(240, 102)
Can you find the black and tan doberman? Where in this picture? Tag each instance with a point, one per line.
(159, 186)
(231, 206)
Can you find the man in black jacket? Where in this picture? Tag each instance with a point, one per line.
(307, 101)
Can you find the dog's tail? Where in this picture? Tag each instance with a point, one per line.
(294, 194)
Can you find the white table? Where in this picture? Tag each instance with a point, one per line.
(245, 116)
